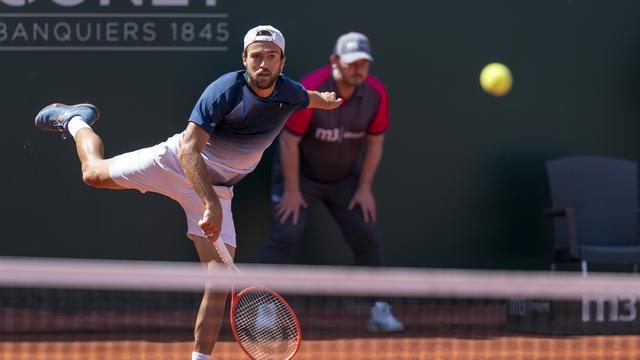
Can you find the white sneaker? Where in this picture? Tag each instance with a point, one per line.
(382, 320)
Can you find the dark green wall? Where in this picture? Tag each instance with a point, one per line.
(462, 181)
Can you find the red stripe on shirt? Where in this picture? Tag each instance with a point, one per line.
(380, 122)
(298, 123)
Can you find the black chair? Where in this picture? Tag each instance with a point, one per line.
(595, 211)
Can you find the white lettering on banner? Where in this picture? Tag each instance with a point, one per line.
(41, 32)
(62, 30)
(108, 2)
(112, 32)
(84, 38)
(171, 2)
(70, 3)
(16, 2)
(130, 31)
(106, 31)
(149, 32)
(20, 32)
(620, 308)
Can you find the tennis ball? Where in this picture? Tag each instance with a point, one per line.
(495, 78)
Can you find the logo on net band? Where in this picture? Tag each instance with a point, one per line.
(71, 3)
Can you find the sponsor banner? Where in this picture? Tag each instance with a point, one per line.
(146, 25)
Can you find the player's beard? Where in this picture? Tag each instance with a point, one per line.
(263, 82)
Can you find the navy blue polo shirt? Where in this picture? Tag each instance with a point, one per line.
(242, 124)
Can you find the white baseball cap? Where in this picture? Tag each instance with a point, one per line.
(353, 46)
(264, 33)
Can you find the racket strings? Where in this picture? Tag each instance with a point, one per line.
(265, 326)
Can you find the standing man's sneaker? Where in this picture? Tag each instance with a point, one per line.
(55, 117)
(266, 317)
(382, 320)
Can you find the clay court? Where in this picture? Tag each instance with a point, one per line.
(332, 331)
(407, 346)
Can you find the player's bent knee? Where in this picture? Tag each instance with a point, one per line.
(96, 174)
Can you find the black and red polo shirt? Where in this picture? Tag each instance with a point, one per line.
(333, 140)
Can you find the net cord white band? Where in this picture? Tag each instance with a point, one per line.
(320, 280)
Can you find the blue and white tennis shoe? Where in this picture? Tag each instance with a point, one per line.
(55, 117)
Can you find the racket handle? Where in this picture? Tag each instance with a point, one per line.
(221, 248)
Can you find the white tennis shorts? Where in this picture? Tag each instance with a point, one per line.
(157, 169)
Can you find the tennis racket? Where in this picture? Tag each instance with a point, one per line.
(263, 323)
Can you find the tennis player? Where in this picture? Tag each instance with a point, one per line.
(319, 162)
(236, 118)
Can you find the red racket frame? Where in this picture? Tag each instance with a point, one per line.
(234, 301)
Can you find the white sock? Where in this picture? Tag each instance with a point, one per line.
(76, 123)
(199, 356)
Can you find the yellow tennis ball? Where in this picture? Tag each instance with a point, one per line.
(495, 78)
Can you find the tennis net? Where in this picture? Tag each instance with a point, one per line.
(90, 309)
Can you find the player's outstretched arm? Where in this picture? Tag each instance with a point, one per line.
(323, 100)
(193, 141)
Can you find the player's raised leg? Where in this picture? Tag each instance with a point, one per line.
(212, 307)
(76, 120)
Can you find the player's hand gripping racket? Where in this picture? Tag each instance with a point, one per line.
(263, 323)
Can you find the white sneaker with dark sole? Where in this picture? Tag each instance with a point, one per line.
(382, 320)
